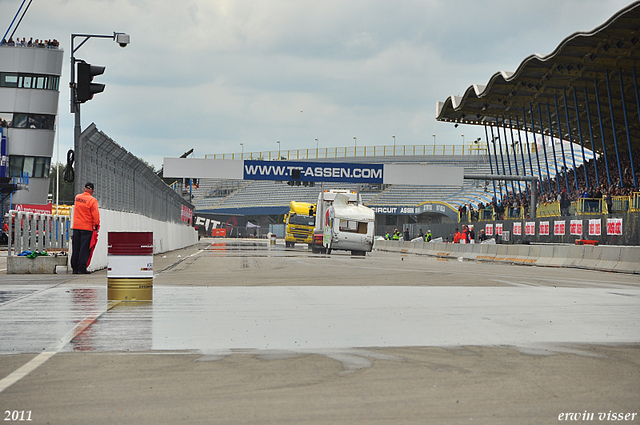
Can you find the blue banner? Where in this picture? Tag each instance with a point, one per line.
(313, 171)
(4, 158)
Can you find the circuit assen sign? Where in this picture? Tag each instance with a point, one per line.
(426, 207)
(410, 174)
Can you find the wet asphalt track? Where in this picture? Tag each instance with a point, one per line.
(375, 322)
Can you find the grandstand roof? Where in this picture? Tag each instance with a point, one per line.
(542, 85)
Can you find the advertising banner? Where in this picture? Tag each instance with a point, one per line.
(559, 228)
(313, 171)
(218, 224)
(488, 229)
(37, 209)
(517, 228)
(544, 228)
(575, 227)
(530, 228)
(614, 226)
(595, 227)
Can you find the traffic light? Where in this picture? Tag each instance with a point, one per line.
(85, 88)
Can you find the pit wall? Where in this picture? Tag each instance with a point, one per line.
(166, 236)
(624, 259)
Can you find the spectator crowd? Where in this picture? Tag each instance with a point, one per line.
(595, 186)
(31, 43)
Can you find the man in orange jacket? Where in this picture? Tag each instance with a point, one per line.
(86, 220)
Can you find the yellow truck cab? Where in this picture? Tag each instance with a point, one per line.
(300, 223)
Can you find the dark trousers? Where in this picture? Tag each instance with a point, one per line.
(80, 255)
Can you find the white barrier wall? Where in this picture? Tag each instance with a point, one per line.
(624, 259)
(166, 236)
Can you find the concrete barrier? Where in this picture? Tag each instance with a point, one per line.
(629, 260)
(624, 259)
(609, 258)
(574, 256)
(522, 255)
(166, 236)
(590, 257)
(545, 257)
(37, 265)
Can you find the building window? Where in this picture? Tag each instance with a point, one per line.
(29, 81)
(21, 120)
(33, 166)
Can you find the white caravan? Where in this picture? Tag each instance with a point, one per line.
(342, 222)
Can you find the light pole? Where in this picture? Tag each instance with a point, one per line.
(123, 40)
(242, 154)
(317, 154)
(434, 140)
(355, 145)
(278, 150)
(394, 144)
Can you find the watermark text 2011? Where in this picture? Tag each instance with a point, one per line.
(17, 415)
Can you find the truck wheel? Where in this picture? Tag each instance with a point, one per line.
(359, 253)
(288, 244)
(328, 251)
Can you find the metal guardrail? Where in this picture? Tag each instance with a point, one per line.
(352, 151)
(620, 203)
(635, 202)
(487, 214)
(549, 209)
(588, 206)
(37, 232)
(514, 213)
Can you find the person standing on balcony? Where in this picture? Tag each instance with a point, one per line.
(86, 221)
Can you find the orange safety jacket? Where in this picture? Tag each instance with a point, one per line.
(85, 212)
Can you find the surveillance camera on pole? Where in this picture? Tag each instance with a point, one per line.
(122, 39)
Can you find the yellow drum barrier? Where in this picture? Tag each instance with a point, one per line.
(123, 289)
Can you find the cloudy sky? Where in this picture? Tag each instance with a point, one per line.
(212, 74)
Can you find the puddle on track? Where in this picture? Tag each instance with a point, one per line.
(212, 320)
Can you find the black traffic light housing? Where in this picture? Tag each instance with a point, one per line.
(85, 88)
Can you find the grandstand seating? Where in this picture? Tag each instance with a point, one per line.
(213, 194)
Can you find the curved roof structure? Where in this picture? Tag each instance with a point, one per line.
(589, 79)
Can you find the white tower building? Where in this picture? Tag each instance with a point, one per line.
(29, 92)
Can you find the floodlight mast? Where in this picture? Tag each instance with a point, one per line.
(123, 40)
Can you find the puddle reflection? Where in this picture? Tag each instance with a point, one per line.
(211, 319)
